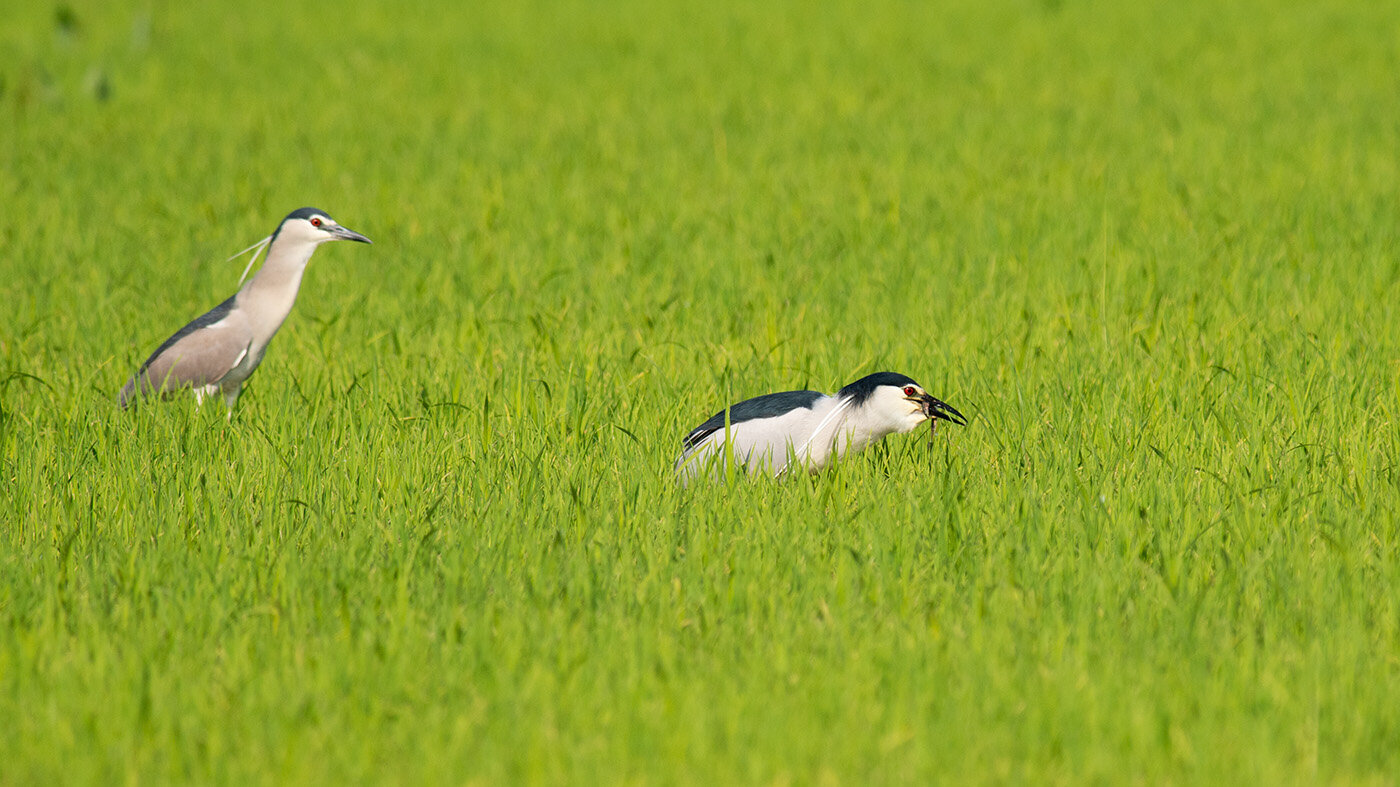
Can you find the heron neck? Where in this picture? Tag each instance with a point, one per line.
(857, 427)
(269, 295)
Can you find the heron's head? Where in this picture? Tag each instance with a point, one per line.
(897, 401)
(310, 225)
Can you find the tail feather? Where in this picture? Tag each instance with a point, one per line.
(129, 392)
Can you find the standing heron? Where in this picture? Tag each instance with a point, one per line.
(219, 350)
(773, 432)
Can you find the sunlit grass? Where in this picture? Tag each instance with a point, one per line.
(1150, 252)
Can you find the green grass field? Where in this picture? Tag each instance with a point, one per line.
(1149, 251)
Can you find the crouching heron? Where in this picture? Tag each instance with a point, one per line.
(807, 429)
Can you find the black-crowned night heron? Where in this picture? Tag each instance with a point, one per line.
(220, 349)
(807, 429)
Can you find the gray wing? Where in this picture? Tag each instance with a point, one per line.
(199, 354)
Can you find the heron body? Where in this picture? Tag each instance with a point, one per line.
(808, 429)
(219, 350)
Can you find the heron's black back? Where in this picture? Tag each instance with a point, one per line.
(766, 406)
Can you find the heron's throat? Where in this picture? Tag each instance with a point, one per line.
(858, 426)
(268, 297)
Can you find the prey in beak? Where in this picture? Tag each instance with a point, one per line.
(935, 408)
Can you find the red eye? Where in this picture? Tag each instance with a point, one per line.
(908, 390)
(315, 221)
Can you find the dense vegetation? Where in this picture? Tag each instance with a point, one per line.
(1149, 249)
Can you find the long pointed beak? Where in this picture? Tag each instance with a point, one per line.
(345, 233)
(935, 408)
